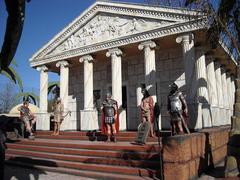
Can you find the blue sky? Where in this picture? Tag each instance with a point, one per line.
(43, 20)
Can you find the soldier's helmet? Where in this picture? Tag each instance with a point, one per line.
(58, 99)
(108, 95)
(173, 87)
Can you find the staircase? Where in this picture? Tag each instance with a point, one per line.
(87, 154)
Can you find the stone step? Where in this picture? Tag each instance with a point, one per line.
(89, 174)
(91, 138)
(12, 158)
(87, 159)
(88, 133)
(118, 146)
(126, 154)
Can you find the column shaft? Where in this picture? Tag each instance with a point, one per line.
(150, 67)
(219, 92)
(64, 83)
(43, 121)
(116, 63)
(88, 81)
(202, 87)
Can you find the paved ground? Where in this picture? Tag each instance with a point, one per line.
(18, 173)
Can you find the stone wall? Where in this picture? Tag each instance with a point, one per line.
(188, 156)
(169, 68)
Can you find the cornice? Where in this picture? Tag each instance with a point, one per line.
(176, 28)
(135, 10)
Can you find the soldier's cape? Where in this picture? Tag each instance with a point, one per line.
(104, 127)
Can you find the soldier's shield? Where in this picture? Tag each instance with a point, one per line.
(142, 134)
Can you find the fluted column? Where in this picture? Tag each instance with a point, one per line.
(219, 92)
(88, 81)
(229, 96)
(202, 88)
(116, 63)
(64, 80)
(225, 95)
(187, 42)
(43, 120)
(212, 92)
(233, 91)
(150, 67)
(188, 50)
(89, 117)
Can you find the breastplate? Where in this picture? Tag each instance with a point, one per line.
(175, 102)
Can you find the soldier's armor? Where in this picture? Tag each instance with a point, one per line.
(108, 108)
(25, 113)
(175, 102)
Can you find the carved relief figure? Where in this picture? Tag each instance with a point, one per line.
(104, 27)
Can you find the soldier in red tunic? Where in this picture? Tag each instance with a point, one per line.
(110, 123)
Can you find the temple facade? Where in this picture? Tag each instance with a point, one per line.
(121, 47)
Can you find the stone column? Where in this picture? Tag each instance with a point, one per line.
(212, 92)
(116, 62)
(229, 96)
(150, 67)
(43, 118)
(233, 92)
(225, 95)
(64, 79)
(187, 42)
(219, 92)
(202, 88)
(89, 116)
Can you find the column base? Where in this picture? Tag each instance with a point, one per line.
(89, 120)
(206, 115)
(215, 115)
(195, 115)
(222, 113)
(43, 121)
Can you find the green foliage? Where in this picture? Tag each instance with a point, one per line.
(27, 96)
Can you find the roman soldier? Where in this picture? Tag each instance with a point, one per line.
(110, 122)
(147, 110)
(58, 109)
(27, 117)
(177, 107)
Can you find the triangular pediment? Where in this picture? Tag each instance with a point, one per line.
(106, 22)
(105, 27)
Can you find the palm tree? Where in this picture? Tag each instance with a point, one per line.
(53, 88)
(28, 96)
(223, 19)
(14, 27)
(12, 75)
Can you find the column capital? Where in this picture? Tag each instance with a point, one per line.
(88, 58)
(185, 38)
(42, 68)
(114, 51)
(62, 64)
(146, 44)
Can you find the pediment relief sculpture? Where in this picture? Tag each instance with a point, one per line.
(104, 27)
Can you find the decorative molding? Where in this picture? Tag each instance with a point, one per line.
(88, 58)
(136, 10)
(147, 44)
(114, 52)
(177, 28)
(185, 38)
(105, 27)
(62, 64)
(42, 68)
